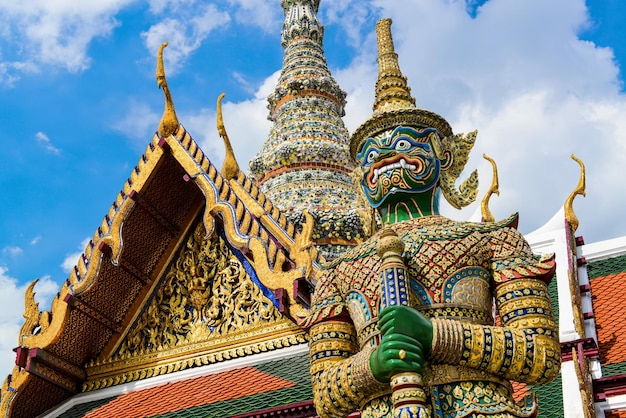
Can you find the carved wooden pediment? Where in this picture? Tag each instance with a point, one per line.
(207, 307)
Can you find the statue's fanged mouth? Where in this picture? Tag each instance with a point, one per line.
(391, 164)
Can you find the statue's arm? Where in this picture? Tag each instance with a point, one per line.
(340, 371)
(341, 375)
(525, 346)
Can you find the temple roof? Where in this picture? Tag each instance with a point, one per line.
(280, 387)
(173, 189)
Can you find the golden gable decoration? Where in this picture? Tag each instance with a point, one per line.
(206, 309)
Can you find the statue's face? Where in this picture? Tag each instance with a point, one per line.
(398, 162)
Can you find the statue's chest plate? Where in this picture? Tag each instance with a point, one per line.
(449, 268)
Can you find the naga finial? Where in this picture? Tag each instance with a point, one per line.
(579, 190)
(230, 168)
(169, 121)
(494, 189)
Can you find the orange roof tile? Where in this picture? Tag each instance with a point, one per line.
(189, 393)
(519, 390)
(609, 294)
(615, 414)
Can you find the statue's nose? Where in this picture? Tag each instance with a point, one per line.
(385, 154)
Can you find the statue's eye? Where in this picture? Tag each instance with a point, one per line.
(402, 145)
(371, 156)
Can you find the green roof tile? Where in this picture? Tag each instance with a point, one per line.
(607, 266)
(554, 298)
(613, 369)
(550, 398)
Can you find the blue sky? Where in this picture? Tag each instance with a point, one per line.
(79, 103)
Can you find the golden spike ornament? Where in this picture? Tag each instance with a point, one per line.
(494, 189)
(407, 388)
(571, 217)
(230, 168)
(169, 121)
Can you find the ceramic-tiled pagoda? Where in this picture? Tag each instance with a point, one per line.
(192, 308)
(305, 163)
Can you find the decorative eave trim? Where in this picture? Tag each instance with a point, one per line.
(296, 410)
(107, 236)
(160, 362)
(86, 271)
(586, 347)
(251, 223)
(610, 386)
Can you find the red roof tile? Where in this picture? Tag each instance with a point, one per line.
(189, 393)
(609, 294)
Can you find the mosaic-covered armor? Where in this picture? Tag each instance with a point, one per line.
(456, 271)
(475, 311)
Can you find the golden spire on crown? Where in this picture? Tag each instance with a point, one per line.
(393, 106)
(392, 91)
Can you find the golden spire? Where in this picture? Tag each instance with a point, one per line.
(494, 189)
(169, 121)
(230, 168)
(392, 90)
(569, 202)
(393, 106)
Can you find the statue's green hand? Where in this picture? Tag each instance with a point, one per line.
(406, 321)
(386, 361)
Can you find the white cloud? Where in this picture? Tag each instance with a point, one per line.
(11, 320)
(158, 6)
(53, 32)
(72, 259)
(138, 122)
(518, 73)
(9, 71)
(43, 139)
(12, 251)
(185, 28)
(351, 15)
(262, 13)
(35, 240)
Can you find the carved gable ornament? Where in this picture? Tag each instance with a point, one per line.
(208, 307)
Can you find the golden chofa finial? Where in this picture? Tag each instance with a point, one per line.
(494, 189)
(230, 169)
(572, 220)
(169, 121)
(392, 90)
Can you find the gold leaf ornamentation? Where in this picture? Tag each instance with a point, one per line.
(205, 294)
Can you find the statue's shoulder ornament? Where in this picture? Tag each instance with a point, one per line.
(513, 257)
